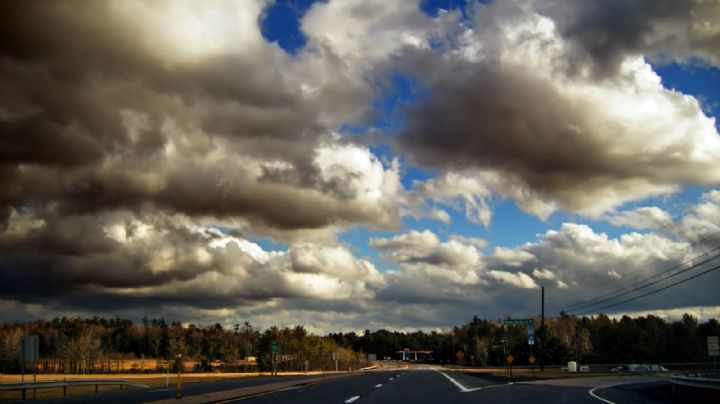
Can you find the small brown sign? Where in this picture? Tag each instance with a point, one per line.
(510, 358)
(460, 355)
(531, 359)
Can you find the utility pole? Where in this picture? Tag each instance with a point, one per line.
(542, 329)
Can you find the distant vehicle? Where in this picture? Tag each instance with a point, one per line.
(639, 368)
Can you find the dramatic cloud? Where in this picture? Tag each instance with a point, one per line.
(511, 98)
(518, 279)
(163, 158)
(425, 248)
(641, 218)
(606, 32)
(456, 191)
(200, 125)
(127, 260)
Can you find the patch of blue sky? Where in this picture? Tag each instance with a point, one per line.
(412, 175)
(280, 22)
(433, 7)
(395, 93)
(677, 205)
(696, 79)
(510, 227)
(268, 244)
(513, 227)
(357, 239)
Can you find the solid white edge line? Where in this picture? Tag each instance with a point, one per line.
(592, 392)
(290, 388)
(351, 399)
(455, 382)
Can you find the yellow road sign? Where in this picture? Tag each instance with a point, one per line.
(531, 359)
(460, 355)
(509, 358)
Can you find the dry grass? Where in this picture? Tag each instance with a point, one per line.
(152, 380)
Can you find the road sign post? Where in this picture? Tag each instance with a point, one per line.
(713, 344)
(274, 349)
(178, 382)
(517, 321)
(531, 334)
(29, 350)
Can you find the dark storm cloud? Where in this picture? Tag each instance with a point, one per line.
(98, 114)
(506, 102)
(605, 32)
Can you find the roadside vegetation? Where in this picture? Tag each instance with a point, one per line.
(98, 345)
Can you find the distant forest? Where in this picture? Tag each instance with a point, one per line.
(74, 345)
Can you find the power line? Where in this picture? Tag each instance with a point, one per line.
(657, 260)
(624, 291)
(653, 291)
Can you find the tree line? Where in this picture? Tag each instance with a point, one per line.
(75, 345)
(588, 340)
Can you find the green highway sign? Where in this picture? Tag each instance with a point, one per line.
(518, 321)
(274, 346)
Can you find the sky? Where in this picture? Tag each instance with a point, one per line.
(358, 164)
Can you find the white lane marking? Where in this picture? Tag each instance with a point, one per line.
(592, 392)
(464, 389)
(378, 385)
(290, 388)
(455, 382)
(392, 378)
(351, 399)
(158, 391)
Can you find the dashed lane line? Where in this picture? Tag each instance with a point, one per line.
(352, 399)
(378, 385)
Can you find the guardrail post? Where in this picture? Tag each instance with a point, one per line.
(23, 395)
(96, 388)
(64, 390)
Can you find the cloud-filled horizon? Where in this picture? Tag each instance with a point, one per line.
(359, 164)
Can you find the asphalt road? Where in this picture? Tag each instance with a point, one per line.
(426, 385)
(420, 384)
(164, 393)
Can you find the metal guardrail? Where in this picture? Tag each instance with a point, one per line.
(697, 380)
(25, 386)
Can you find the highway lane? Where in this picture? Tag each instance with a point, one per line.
(163, 393)
(352, 389)
(427, 385)
(419, 384)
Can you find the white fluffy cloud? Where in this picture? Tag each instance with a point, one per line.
(512, 101)
(649, 217)
(517, 279)
(145, 145)
(425, 248)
